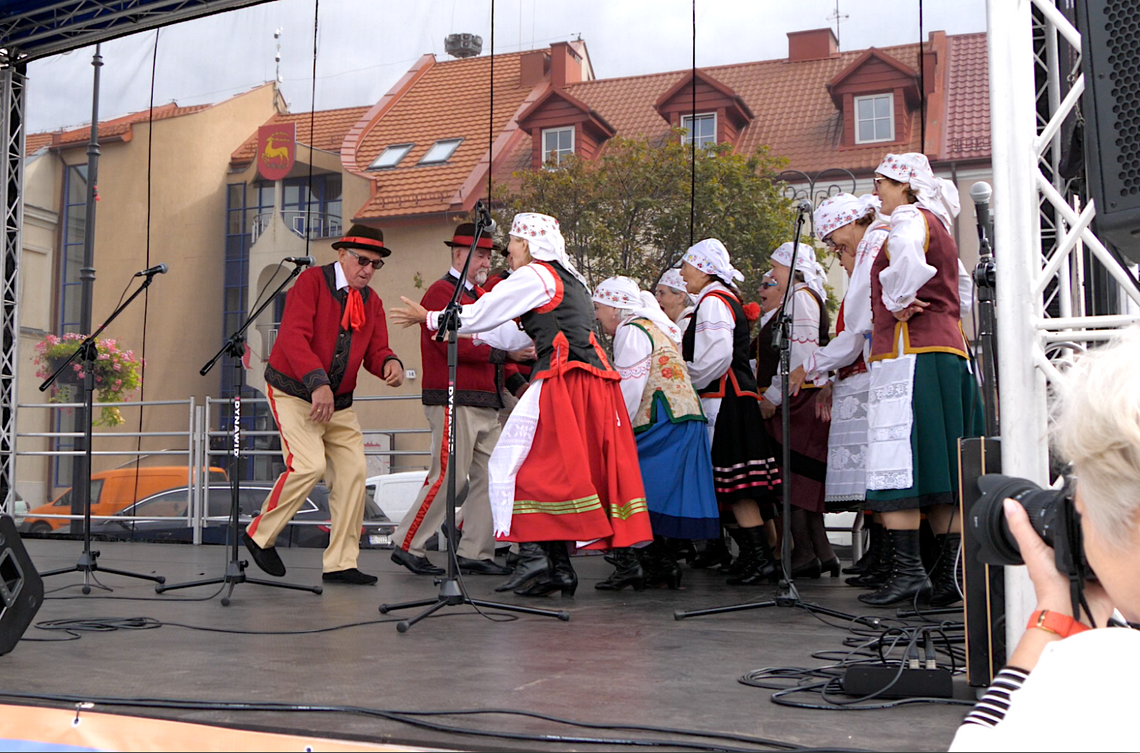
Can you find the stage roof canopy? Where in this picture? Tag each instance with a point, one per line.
(32, 29)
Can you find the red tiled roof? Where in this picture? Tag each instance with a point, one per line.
(443, 104)
(968, 101)
(36, 141)
(117, 129)
(329, 127)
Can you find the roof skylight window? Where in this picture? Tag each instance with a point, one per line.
(441, 151)
(391, 156)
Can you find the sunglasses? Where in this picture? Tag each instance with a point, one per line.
(364, 261)
(768, 284)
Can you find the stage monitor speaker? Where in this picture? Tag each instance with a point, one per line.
(21, 589)
(983, 585)
(1110, 33)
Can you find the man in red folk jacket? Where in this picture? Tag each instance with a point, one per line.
(478, 400)
(332, 325)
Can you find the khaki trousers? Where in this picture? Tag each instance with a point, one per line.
(476, 432)
(333, 451)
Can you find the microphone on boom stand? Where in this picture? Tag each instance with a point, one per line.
(986, 282)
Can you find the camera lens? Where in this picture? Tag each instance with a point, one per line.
(987, 517)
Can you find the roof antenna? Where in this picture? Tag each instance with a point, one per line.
(837, 17)
(277, 57)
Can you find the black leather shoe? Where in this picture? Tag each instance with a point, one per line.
(418, 565)
(758, 562)
(351, 576)
(944, 578)
(811, 569)
(831, 567)
(481, 567)
(267, 559)
(715, 554)
(561, 576)
(533, 562)
(908, 582)
(628, 571)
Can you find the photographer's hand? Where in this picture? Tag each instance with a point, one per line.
(1050, 585)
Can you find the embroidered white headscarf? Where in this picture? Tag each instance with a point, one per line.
(545, 241)
(938, 195)
(711, 257)
(672, 279)
(623, 293)
(842, 209)
(805, 263)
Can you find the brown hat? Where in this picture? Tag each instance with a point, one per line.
(367, 238)
(465, 234)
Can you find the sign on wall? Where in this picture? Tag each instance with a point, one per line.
(276, 150)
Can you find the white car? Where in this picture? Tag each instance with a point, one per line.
(20, 510)
(394, 494)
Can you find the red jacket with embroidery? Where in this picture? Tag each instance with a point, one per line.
(312, 350)
(478, 374)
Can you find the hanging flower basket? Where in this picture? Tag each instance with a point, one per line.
(116, 373)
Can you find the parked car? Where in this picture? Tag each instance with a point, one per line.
(113, 490)
(394, 494)
(309, 526)
(19, 510)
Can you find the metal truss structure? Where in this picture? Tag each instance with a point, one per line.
(30, 30)
(12, 84)
(1043, 240)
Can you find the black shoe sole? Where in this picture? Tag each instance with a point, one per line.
(269, 568)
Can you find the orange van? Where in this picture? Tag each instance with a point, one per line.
(113, 490)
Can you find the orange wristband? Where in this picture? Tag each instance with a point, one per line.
(1055, 623)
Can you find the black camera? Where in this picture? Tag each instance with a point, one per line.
(1052, 513)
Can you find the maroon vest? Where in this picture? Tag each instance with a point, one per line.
(938, 328)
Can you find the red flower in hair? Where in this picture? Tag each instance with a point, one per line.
(752, 311)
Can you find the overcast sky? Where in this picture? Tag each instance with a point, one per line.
(364, 46)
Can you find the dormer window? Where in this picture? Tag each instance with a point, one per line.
(557, 145)
(441, 151)
(391, 156)
(700, 128)
(874, 118)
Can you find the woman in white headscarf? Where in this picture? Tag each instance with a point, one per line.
(923, 397)
(715, 347)
(563, 472)
(669, 424)
(850, 227)
(674, 298)
(808, 406)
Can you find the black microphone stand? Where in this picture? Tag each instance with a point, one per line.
(788, 596)
(451, 590)
(235, 567)
(985, 278)
(88, 352)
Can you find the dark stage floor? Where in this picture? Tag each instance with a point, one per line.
(621, 658)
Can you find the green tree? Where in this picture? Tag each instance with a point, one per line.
(629, 211)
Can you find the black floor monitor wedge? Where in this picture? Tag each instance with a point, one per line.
(21, 589)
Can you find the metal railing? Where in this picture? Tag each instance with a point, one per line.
(319, 224)
(200, 457)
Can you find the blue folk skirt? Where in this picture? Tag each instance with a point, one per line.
(676, 467)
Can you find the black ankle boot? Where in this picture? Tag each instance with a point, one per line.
(532, 563)
(628, 571)
(879, 567)
(715, 554)
(660, 564)
(757, 556)
(561, 576)
(944, 578)
(744, 544)
(680, 549)
(864, 563)
(907, 582)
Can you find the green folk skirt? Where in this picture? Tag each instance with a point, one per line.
(946, 406)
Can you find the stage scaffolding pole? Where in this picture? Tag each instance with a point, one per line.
(13, 84)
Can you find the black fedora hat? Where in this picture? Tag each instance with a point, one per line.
(367, 238)
(465, 234)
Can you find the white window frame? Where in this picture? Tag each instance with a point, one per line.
(455, 145)
(687, 137)
(890, 97)
(376, 162)
(558, 153)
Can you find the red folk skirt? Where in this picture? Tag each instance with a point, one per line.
(581, 480)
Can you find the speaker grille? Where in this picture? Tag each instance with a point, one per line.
(1123, 38)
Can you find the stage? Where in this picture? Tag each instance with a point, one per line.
(622, 658)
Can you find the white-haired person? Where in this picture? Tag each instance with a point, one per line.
(1066, 686)
(808, 406)
(715, 348)
(674, 297)
(849, 225)
(670, 426)
(564, 472)
(923, 395)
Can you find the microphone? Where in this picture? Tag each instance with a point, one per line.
(301, 261)
(156, 270)
(981, 192)
(483, 217)
(803, 206)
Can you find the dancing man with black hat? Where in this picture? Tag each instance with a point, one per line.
(332, 325)
(478, 400)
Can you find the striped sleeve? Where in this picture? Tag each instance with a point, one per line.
(992, 708)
